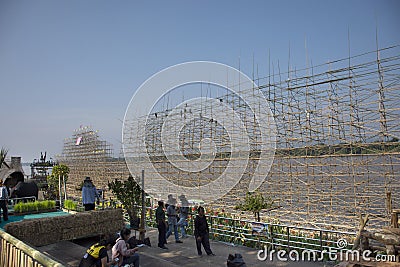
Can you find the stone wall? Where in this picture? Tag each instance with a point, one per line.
(44, 231)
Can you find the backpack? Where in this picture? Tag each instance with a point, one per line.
(235, 261)
(133, 242)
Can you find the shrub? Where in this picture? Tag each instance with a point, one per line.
(34, 206)
(18, 207)
(70, 204)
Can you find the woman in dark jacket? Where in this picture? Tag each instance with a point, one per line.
(201, 232)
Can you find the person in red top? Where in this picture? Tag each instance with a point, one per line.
(121, 252)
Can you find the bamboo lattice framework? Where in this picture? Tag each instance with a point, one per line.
(337, 141)
(86, 154)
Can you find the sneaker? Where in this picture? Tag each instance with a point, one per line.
(211, 254)
(178, 241)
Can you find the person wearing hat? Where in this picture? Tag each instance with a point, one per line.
(172, 219)
(89, 194)
(3, 201)
(183, 215)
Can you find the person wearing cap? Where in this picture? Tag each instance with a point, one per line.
(183, 215)
(3, 201)
(172, 220)
(89, 194)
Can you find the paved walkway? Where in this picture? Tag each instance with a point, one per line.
(177, 255)
(185, 254)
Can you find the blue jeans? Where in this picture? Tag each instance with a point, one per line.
(169, 232)
(182, 224)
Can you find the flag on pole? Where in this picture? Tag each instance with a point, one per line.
(78, 141)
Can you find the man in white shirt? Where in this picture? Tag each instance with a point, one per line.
(3, 200)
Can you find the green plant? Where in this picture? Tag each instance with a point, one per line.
(255, 202)
(70, 204)
(25, 208)
(59, 171)
(50, 204)
(34, 206)
(128, 193)
(18, 207)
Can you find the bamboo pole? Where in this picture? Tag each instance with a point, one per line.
(16, 247)
(363, 222)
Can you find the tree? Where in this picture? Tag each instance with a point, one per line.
(58, 171)
(3, 155)
(128, 193)
(255, 202)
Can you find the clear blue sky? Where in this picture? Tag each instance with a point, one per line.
(69, 63)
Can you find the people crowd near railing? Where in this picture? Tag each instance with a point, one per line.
(232, 229)
(235, 230)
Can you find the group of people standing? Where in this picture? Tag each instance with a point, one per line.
(165, 227)
(169, 218)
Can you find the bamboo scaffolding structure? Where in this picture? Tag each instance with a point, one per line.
(337, 151)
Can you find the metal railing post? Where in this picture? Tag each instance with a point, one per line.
(320, 241)
(272, 237)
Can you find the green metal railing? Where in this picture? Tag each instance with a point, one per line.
(258, 234)
(254, 234)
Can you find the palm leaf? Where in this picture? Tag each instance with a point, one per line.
(3, 155)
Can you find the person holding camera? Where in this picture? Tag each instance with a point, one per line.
(121, 253)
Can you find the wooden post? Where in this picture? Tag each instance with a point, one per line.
(395, 218)
(363, 222)
(60, 191)
(364, 243)
(389, 202)
(142, 229)
(65, 188)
